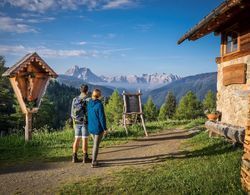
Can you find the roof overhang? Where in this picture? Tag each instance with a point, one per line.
(218, 17)
(13, 70)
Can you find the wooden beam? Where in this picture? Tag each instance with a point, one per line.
(18, 94)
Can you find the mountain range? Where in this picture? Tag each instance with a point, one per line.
(199, 84)
(75, 82)
(144, 81)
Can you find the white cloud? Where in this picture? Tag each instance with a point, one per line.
(32, 5)
(8, 24)
(81, 43)
(21, 25)
(47, 52)
(45, 5)
(115, 4)
(56, 53)
(144, 27)
(39, 20)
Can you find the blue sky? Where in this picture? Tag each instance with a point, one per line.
(110, 37)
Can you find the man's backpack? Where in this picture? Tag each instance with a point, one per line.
(79, 109)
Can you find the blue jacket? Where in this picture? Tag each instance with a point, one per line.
(96, 117)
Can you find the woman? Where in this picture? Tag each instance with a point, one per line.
(96, 123)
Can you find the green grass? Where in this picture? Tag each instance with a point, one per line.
(209, 166)
(57, 146)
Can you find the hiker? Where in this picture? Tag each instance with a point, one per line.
(97, 123)
(80, 123)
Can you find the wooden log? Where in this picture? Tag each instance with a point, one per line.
(28, 126)
(234, 133)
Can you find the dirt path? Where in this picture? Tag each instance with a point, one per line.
(40, 178)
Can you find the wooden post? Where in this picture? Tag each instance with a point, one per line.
(141, 114)
(143, 124)
(124, 123)
(124, 112)
(28, 126)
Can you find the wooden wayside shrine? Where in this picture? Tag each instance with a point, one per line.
(29, 78)
(133, 106)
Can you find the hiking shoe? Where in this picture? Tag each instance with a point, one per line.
(86, 158)
(94, 164)
(74, 158)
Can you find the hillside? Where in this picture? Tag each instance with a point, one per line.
(75, 82)
(199, 84)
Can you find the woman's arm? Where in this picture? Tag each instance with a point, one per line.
(102, 117)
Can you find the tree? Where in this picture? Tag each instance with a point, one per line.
(6, 99)
(18, 117)
(114, 109)
(168, 109)
(189, 107)
(45, 114)
(163, 113)
(209, 102)
(150, 110)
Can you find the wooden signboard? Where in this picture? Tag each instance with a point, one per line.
(29, 78)
(132, 103)
(133, 106)
(234, 74)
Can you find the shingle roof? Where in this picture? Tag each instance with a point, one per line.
(216, 18)
(27, 58)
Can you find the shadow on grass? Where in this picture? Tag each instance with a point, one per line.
(212, 150)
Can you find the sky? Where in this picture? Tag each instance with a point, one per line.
(111, 37)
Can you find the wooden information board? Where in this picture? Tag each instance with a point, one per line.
(132, 106)
(234, 74)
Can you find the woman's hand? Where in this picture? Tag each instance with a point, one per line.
(105, 132)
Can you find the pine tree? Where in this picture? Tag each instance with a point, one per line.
(18, 117)
(6, 99)
(189, 107)
(163, 113)
(150, 110)
(209, 102)
(45, 114)
(114, 109)
(168, 109)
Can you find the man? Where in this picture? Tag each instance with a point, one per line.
(80, 124)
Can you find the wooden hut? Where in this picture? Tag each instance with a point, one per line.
(231, 21)
(29, 78)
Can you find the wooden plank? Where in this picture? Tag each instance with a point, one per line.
(232, 56)
(247, 147)
(18, 94)
(246, 156)
(234, 74)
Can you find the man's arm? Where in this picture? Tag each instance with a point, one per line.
(72, 109)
